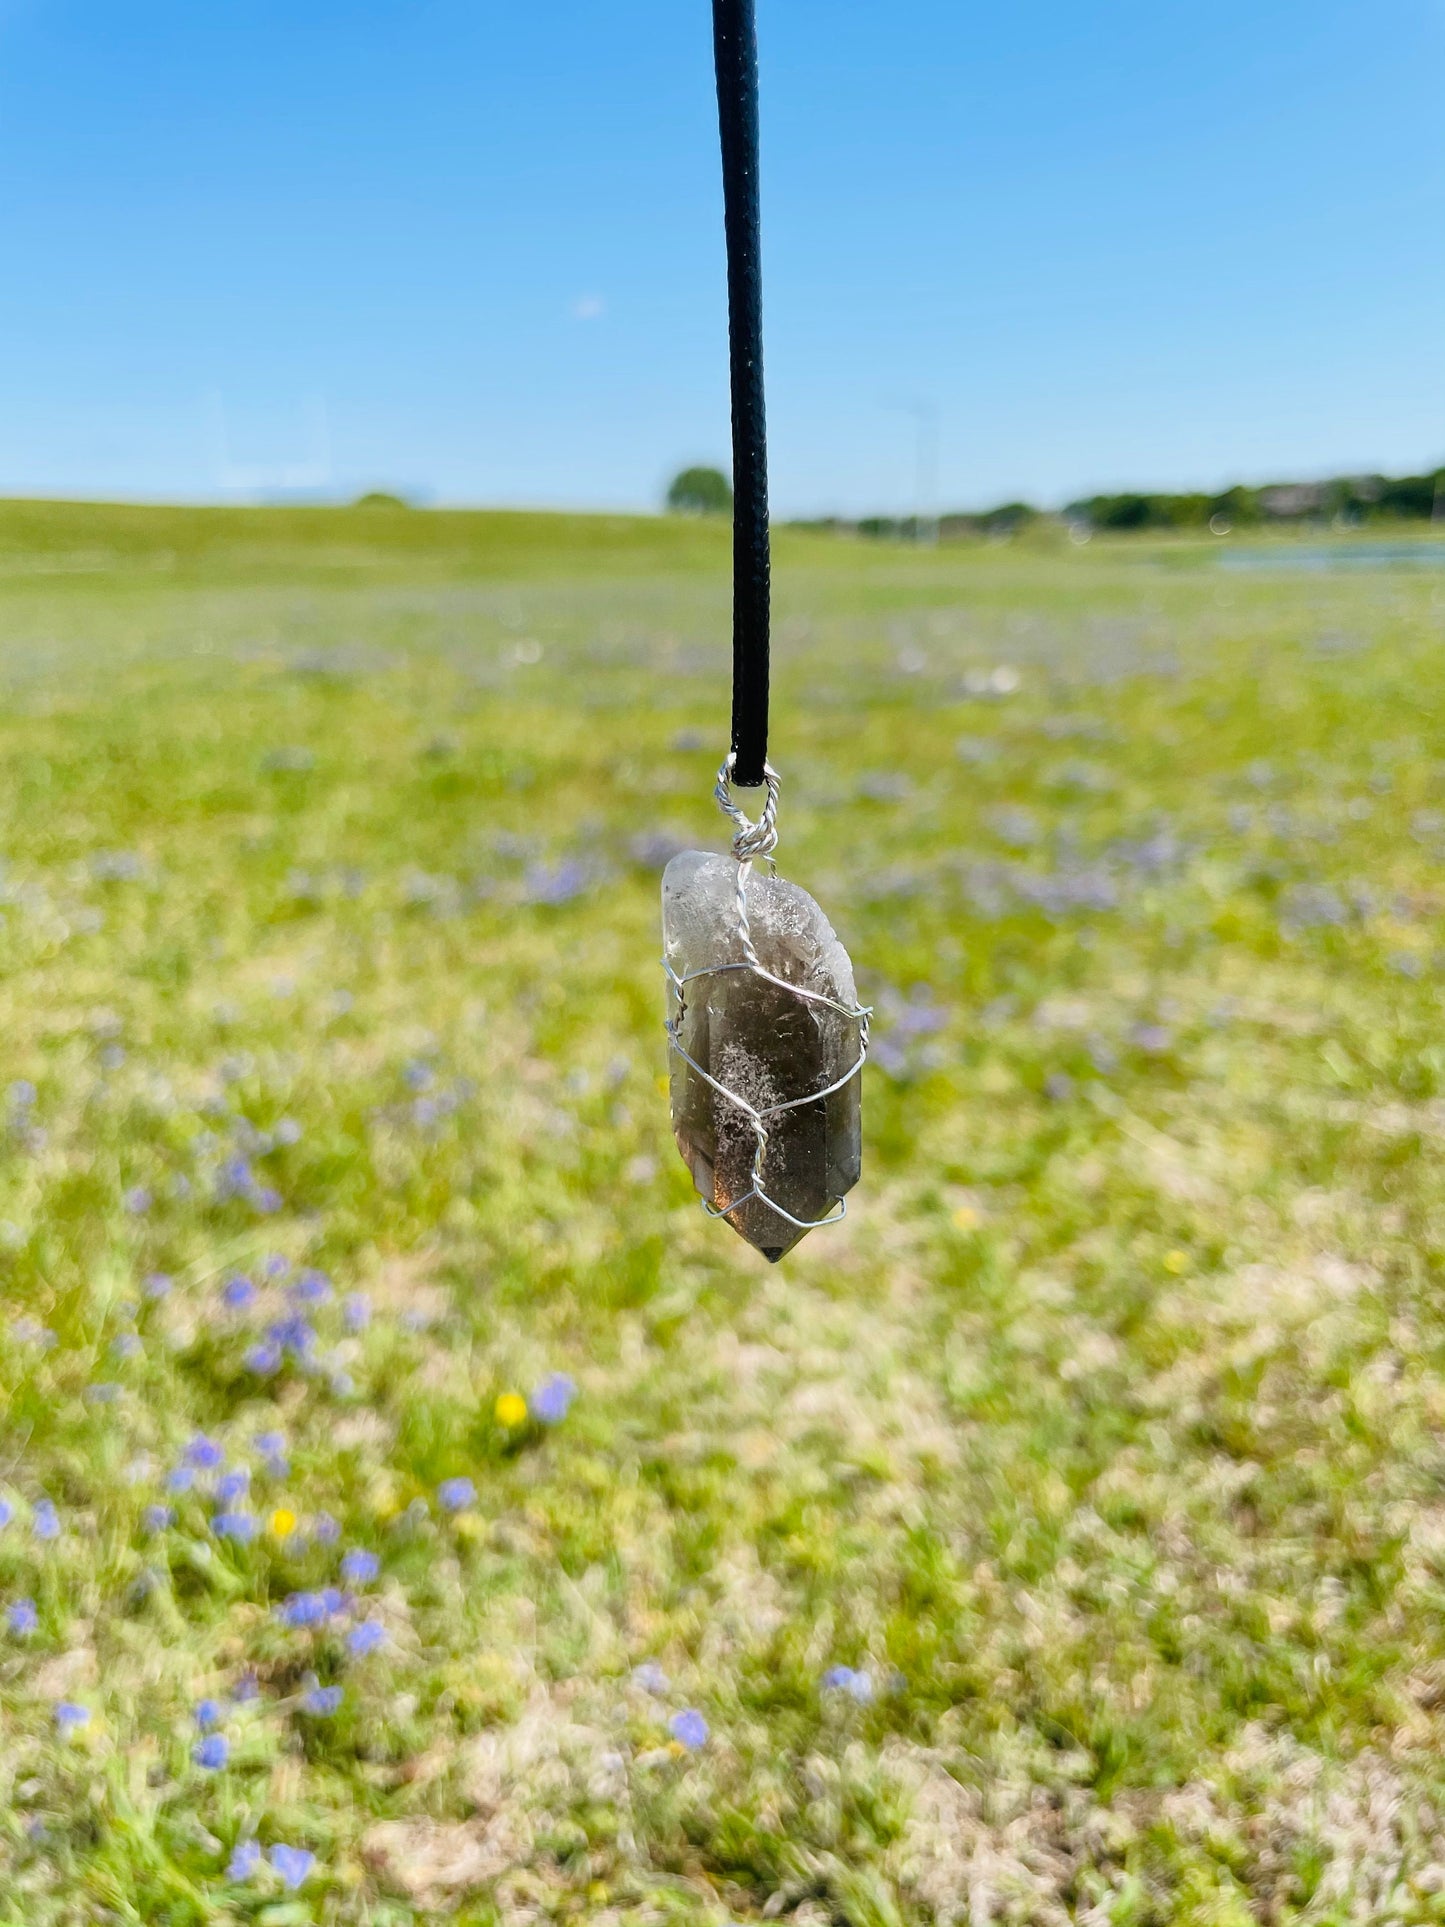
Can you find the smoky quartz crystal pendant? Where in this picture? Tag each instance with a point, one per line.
(767, 1043)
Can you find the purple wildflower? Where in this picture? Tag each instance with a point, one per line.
(843, 1679)
(69, 1717)
(244, 1861)
(212, 1752)
(232, 1485)
(455, 1494)
(356, 1312)
(302, 1609)
(655, 849)
(126, 1345)
(553, 1397)
(293, 1864)
(157, 1285)
(7, 1513)
(208, 1713)
(889, 1057)
(1153, 1038)
(311, 1288)
(45, 1521)
(365, 1637)
(555, 883)
(138, 1200)
(247, 1688)
(22, 1618)
(325, 1530)
(267, 1201)
(359, 1567)
(180, 1479)
(650, 1677)
(204, 1453)
(322, 1701)
(237, 1293)
(234, 1179)
(240, 1526)
(294, 1335)
(157, 1518)
(689, 1728)
(264, 1358)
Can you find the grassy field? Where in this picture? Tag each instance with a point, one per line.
(1060, 1539)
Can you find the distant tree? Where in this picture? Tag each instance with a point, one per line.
(378, 498)
(1410, 495)
(700, 491)
(1008, 518)
(1238, 506)
(1126, 512)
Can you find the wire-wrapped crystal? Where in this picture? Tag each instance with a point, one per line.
(767, 1042)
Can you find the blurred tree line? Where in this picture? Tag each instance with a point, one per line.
(1347, 501)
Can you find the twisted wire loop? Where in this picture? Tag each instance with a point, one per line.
(752, 841)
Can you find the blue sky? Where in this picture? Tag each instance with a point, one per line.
(474, 250)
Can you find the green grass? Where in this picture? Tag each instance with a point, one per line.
(1107, 1436)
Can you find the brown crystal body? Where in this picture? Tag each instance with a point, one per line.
(765, 1044)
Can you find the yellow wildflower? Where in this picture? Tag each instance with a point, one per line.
(1176, 1261)
(283, 1522)
(511, 1409)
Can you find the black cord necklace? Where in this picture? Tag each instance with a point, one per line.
(767, 1035)
(735, 47)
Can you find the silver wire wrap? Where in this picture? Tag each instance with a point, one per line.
(752, 841)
